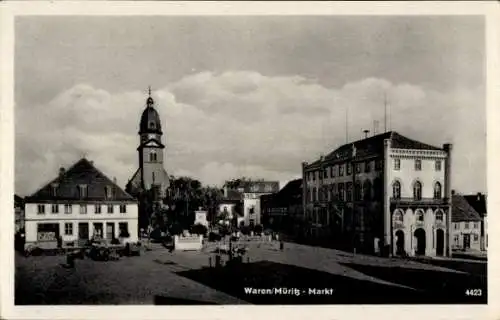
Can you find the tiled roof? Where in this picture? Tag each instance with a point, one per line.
(374, 145)
(478, 202)
(462, 210)
(289, 195)
(260, 186)
(81, 173)
(18, 201)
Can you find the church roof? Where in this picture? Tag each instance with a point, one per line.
(374, 146)
(67, 185)
(150, 119)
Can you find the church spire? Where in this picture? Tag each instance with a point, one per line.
(150, 102)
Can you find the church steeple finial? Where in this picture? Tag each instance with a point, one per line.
(150, 102)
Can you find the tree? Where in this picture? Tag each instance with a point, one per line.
(199, 229)
(185, 195)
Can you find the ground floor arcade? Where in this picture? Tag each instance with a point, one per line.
(420, 231)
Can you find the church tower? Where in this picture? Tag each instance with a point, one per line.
(151, 174)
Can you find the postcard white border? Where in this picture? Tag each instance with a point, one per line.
(11, 9)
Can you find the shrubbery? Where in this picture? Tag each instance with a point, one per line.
(199, 229)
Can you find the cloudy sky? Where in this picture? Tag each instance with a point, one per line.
(249, 96)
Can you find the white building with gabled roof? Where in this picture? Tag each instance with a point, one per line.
(80, 203)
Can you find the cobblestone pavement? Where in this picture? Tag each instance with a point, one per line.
(137, 280)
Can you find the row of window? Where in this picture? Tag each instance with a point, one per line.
(345, 168)
(398, 216)
(365, 192)
(456, 225)
(68, 208)
(98, 228)
(83, 191)
(456, 239)
(344, 191)
(367, 166)
(417, 165)
(417, 190)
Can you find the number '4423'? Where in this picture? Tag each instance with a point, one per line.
(473, 292)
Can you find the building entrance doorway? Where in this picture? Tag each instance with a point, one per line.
(439, 242)
(466, 241)
(83, 231)
(420, 242)
(400, 242)
(110, 230)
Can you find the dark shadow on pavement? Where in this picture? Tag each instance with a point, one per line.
(474, 268)
(464, 255)
(438, 287)
(275, 276)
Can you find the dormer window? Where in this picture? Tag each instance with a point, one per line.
(109, 192)
(82, 191)
(53, 190)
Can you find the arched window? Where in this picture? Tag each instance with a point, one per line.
(398, 216)
(152, 157)
(417, 190)
(367, 190)
(437, 190)
(420, 215)
(396, 190)
(439, 215)
(152, 125)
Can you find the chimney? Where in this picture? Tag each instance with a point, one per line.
(479, 196)
(62, 171)
(114, 180)
(366, 133)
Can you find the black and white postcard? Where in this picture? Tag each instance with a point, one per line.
(217, 160)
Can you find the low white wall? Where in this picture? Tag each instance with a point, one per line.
(188, 243)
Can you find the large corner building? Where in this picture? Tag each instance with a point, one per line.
(386, 192)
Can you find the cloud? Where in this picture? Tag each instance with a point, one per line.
(220, 126)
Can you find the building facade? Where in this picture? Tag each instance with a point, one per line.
(80, 203)
(281, 210)
(151, 175)
(467, 225)
(478, 202)
(384, 192)
(250, 192)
